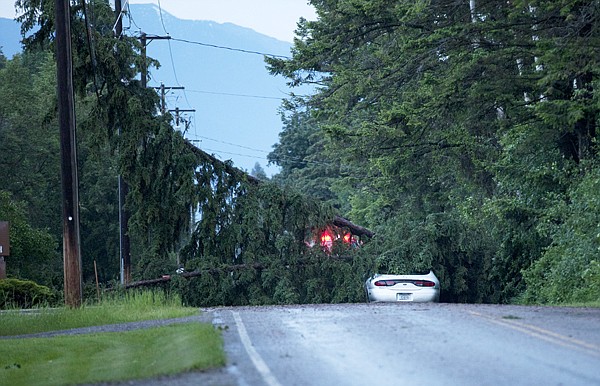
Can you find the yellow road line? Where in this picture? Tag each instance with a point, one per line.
(541, 333)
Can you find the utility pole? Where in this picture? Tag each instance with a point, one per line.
(68, 147)
(144, 75)
(124, 243)
(177, 112)
(144, 40)
(163, 88)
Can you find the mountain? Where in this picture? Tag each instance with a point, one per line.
(236, 101)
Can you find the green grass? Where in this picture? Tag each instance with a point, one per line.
(595, 304)
(118, 308)
(110, 357)
(106, 357)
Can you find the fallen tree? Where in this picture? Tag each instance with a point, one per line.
(337, 220)
(211, 271)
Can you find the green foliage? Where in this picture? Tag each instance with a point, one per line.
(462, 130)
(33, 253)
(149, 154)
(16, 293)
(465, 136)
(161, 185)
(254, 251)
(568, 271)
(29, 162)
(114, 307)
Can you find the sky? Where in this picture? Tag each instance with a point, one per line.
(275, 18)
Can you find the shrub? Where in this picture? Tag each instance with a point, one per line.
(16, 293)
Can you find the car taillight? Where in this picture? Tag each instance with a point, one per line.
(424, 283)
(385, 283)
(390, 283)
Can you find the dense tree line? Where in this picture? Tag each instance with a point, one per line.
(463, 132)
(188, 210)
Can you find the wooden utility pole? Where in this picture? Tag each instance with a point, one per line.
(144, 40)
(4, 246)
(144, 74)
(124, 242)
(68, 151)
(163, 99)
(177, 112)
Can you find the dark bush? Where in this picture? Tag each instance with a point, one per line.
(16, 293)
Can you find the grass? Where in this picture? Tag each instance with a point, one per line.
(119, 308)
(595, 304)
(106, 357)
(110, 357)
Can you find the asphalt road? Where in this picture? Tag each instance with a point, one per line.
(398, 344)
(404, 344)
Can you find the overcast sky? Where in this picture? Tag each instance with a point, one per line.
(276, 18)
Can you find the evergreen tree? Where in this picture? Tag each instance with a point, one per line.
(465, 122)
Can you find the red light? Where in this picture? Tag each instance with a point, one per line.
(385, 283)
(424, 283)
(326, 238)
(347, 238)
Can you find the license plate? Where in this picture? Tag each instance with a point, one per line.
(403, 297)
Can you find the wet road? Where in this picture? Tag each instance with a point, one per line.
(394, 344)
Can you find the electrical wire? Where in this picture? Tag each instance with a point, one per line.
(232, 144)
(90, 43)
(171, 54)
(236, 95)
(212, 46)
(161, 17)
(282, 158)
(295, 159)
(130, 17)
(125, 4)
(230, 48)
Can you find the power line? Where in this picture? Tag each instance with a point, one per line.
(232, 144)
(230, 48)
(231, 153)
(212, 45)
(281, 157)
(120, 19)
(236, 95)
(161, 17)
(171, 53)
(130, 17)
(90, 44)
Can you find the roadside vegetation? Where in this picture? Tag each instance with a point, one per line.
(463, 134)
(121, 307)
(106, 357)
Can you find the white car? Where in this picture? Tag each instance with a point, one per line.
(403, 288)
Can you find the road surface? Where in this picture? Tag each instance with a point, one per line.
(403, 344)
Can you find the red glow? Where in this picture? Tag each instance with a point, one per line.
(326, 239)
